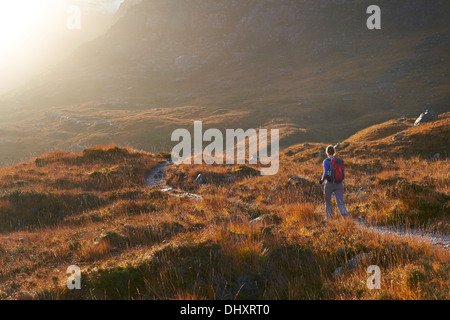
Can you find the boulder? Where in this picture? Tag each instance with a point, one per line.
(214, 177)
(200, 179)
(427, 116)
(320, 155)
(298, 179)
(289, 153)
(245, 171)
(353, 263)
(227, 179)
(268, 218)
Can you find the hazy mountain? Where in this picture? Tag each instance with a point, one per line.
(51, 42)
(311, 68)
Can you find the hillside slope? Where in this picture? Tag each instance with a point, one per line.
(401, 138)
(397, 138)
(249, 237)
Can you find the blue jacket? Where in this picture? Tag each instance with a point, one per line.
(326, 167)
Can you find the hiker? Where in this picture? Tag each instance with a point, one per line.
(334, 183)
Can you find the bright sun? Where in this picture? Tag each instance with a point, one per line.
(17, 19)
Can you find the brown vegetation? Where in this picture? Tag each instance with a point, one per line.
(251, 237)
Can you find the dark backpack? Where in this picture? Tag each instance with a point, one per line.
(336, 173)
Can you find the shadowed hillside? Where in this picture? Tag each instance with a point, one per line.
(293, 65)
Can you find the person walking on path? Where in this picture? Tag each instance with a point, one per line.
(333, 185)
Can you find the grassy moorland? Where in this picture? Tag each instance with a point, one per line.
(248, 237)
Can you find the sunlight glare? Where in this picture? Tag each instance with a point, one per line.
(17, 19)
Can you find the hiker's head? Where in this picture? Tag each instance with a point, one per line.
(330, 151)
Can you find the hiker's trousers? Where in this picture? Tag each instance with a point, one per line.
(338, 190)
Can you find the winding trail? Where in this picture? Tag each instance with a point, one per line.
(405, 232)
(155, 178)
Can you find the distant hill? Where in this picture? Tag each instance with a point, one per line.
(310, 68)
(397, 138)
(401, 138)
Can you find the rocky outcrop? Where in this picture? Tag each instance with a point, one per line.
(427, 116)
